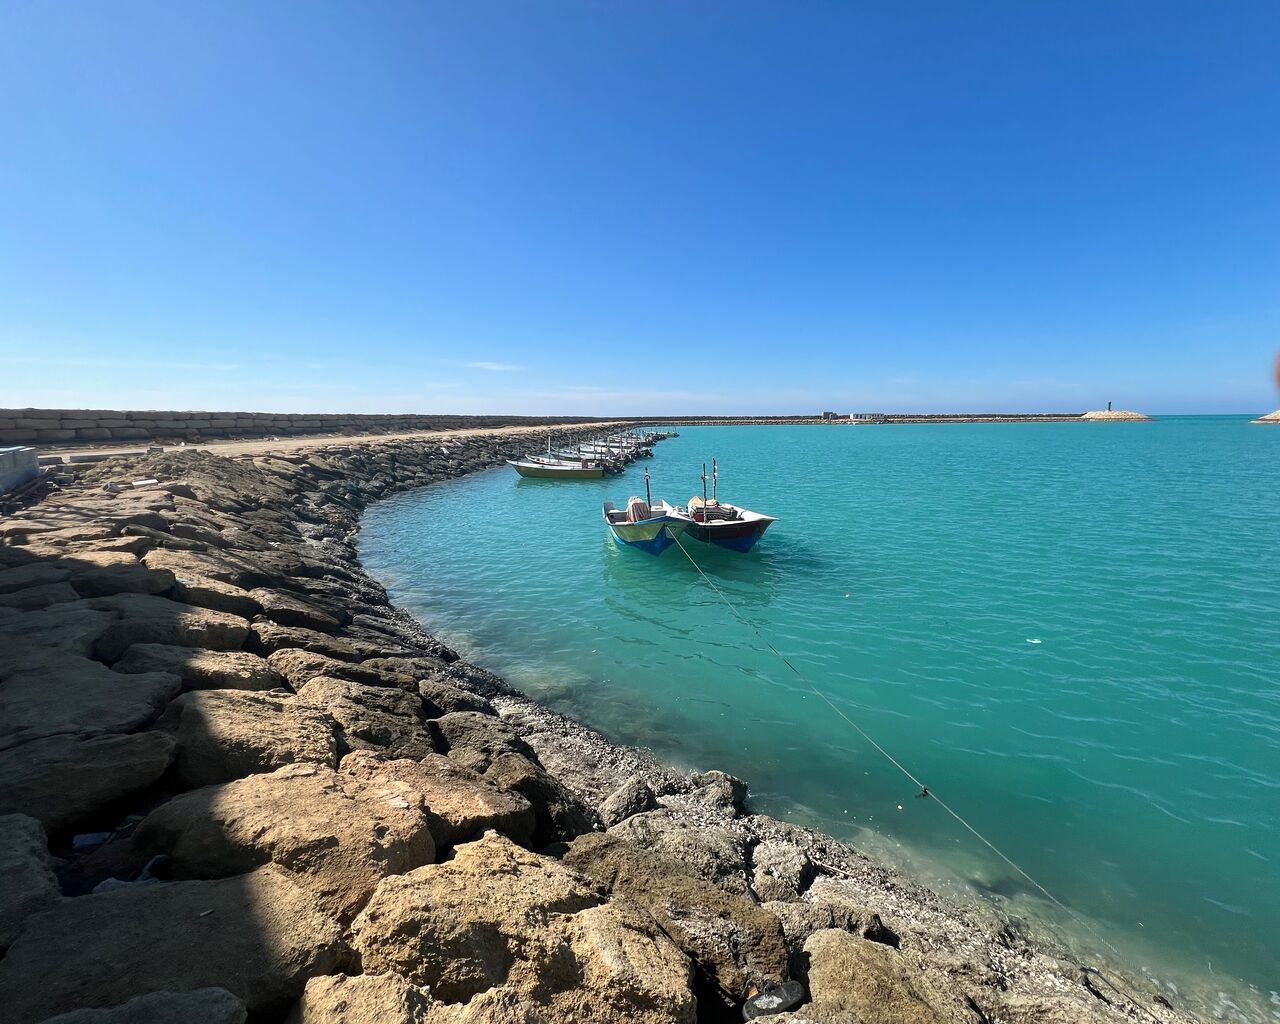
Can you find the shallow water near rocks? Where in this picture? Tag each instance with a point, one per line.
(1128, 758)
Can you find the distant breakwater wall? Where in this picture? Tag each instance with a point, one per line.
(886, 418)
(62, 426)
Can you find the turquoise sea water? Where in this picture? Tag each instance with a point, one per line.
(1129, 760)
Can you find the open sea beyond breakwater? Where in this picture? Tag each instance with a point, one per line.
(1070, 631)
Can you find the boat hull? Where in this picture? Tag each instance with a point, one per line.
(734, 536)
(541, 472)
(651, 537)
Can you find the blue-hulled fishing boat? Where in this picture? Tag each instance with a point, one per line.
(651, 528)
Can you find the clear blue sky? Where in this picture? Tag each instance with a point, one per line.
(636, 207)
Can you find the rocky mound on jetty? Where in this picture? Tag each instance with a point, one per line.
(235, 783)
(1271, 417)
(1121, 415)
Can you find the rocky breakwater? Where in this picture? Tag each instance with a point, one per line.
(236, 783)
(1271, 417)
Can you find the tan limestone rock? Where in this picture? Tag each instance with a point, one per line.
(461, 805)
(258, 936)
(224, 735)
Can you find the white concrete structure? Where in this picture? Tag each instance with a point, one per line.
(17, 467)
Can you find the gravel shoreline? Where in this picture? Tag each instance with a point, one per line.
(236, 781)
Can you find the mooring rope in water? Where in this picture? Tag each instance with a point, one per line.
(925, 791)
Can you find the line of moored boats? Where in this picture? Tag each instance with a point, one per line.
(589, 460)
(648, 525)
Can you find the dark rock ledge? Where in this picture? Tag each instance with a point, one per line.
(235, 782)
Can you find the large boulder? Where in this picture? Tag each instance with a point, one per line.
(144, 619)
(29, 883)
(373, 717)
(498, 925)
(50, 693)
(203, 1006)
(441, 698)
(63, 779)
(33, 574)
(100, 573)
(34, 598)
(299, 667)
(267, 637)
(475, 740)
(853, 979)
(337, 835)
(227, 734)
(74, 628)
(780, 871)
(712, 852)
(216, 594)
(257, 936)
(202, 670)
(461, 805)
(635, 796)
(365, 999)
(290, 610)
(558, 813)
(735, 941)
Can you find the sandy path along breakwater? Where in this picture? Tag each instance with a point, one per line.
(290, 800)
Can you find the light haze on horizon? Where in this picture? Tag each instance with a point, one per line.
(653, 208)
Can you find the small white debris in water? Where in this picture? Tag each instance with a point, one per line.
(899, 806)
(1035, 641)
(206, 913)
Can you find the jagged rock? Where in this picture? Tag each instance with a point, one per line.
(257, 936)
(63, 779)
(719, 789)
(373, 717)
(853, 979)
(710, 852)
(34, 574)
(475, 740)
(225, 735)
(204, 592)
(365, 999)
(101, 573)
(733, 939)
(337, 835)
(202, 670)
(300, 667)
(203, 1006)
(461, 806)
(416, 668)
(558, 813)
(49, 693)
(268, 637)
(499, 926)
(850, 912)
(444, 698)
(73, 628)
(207, 565)
(145, 619)
(288, 610)
(39, 597)
(782, 871)
(802, 919)
(29, 883)
(631, 798)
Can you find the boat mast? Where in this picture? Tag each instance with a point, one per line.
(704, 492)
(715, 476)
(648, 498)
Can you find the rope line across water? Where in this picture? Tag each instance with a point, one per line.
(924, 790)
